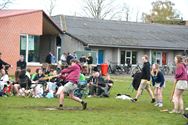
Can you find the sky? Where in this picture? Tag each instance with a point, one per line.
(75, 7)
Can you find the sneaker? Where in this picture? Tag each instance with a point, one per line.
(133, 100)
(160, 105)
(84, 105)
(173, 112)
(156, 104)
(60, 107)
(153, 100)
(185, 116)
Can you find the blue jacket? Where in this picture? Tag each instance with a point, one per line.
(159, 78)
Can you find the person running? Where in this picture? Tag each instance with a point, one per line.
(72, 77)
(180, 85)
(158, 83)
(145, 80)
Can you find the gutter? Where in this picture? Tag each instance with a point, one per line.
(137, 47)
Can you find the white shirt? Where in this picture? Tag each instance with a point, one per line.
(3, 81)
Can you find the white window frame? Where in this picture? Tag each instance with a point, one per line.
(27, 52)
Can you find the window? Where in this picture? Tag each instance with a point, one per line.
(128, 57)
(122, 57)
(159, 57)
(29, 47)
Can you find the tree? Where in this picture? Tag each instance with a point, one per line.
(162, 12)
(51, 6)
(101, 9)
(4, 3)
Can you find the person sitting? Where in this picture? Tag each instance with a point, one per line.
(3, 80)
(96, 84)
(37, 84)
(109, 84)
(51, 87)
(24, 83)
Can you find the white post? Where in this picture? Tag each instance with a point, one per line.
(150, 56)
(27, 47)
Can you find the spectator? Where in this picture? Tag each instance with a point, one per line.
(63, 58)
(69, 57)
(53, 58)
(83, 59)
(109, 84)
(48, 58)
(96, 84)
(21, 63)
(75, 55)
(145, 80)
(180, 85)
(3, 80)
(89, 62)
(158, 83)
(3, 64)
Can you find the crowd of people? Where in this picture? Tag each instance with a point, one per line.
(58, 82)
(54, 82)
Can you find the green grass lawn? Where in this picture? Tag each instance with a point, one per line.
(101, 111)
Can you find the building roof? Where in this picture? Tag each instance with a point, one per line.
(95, 32)
(14, 12)
(49, 27)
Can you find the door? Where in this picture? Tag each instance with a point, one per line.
(100, 56)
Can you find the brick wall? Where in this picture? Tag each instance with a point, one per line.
(10, 30)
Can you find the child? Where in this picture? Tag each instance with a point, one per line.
(158, 83)
(72, 78)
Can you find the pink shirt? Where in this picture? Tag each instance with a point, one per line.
(181, 73)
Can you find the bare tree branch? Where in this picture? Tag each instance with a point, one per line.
(51, 6)
(101, 9)
(4, 3)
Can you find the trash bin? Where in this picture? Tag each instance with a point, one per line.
(104, 69)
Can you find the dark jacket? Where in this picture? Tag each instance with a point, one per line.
(146, 71)
(158, 78)
(3, 63)
(97, 80)
(21, 64)
(48, 59)
(90, 60)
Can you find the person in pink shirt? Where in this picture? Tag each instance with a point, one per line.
(181, 85)
(71, 76)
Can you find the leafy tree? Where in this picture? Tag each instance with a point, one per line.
(163, 12)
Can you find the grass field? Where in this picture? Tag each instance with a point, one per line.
(101, 111)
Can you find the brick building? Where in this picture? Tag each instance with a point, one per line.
(27, 32)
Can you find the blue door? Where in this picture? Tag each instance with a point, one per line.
(100, 56)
